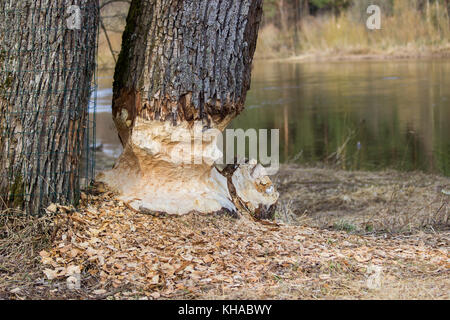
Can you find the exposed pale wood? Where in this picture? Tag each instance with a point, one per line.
(184, 65)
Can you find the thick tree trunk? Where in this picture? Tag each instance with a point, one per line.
(184, 68)
(45, 77)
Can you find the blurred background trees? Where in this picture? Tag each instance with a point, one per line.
(293, 27)
(296, 27)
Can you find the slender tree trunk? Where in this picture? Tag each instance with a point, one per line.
(283, 15)
(45, 78)
(296, 24)
(447, 5)
(305, 8)
(184, 68)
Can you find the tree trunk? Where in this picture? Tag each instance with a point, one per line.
(447, 5)
(184, 69)
(45, 78)
(305, 8)
(283, 16)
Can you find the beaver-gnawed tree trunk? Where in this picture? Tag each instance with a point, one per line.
(47, 59)
(184, 69)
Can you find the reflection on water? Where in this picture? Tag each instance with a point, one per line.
(364, 115)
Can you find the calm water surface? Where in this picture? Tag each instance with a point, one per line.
(387, 114)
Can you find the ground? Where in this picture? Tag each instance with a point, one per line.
(338, 235)
(365, 202)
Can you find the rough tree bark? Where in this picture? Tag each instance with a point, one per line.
(184, 63)
(45, 77)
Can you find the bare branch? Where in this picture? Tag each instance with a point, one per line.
(107, 39)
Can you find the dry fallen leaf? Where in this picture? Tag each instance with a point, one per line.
(361, 258)
(208, 259)
(155, 295)
(44, 254)
(155, 279)
(99, 291)
(183, 266)
(71, 270)
(51, 274)
(47, 260)
(52, 208)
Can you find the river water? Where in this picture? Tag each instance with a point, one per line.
(360, 115)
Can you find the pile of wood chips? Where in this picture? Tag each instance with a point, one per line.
(111, 250)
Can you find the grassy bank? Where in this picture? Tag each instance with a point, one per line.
(383, 202)
(405, 32)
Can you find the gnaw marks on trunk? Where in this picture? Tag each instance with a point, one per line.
(183, 63)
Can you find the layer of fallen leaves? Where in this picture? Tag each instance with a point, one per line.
(110, 250)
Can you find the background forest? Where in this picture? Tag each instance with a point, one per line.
(296, 28)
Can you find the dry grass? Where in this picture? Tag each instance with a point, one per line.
(365, 202)
(406, 33)
(287, 213)
(21, 238)
(272, 43)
